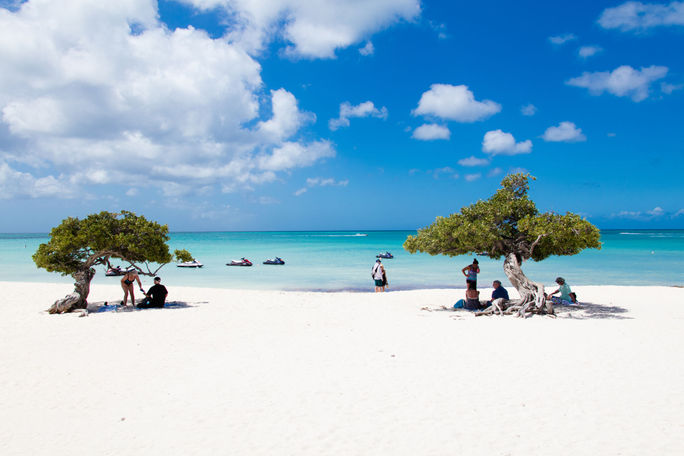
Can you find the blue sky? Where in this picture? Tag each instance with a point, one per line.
(374, 114)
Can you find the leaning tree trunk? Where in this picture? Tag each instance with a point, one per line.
(532, 298)
(77, 299)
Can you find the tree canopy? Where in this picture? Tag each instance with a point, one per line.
(508, 222)
(77, 244)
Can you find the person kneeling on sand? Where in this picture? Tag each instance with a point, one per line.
(566, 297)
(156, 295)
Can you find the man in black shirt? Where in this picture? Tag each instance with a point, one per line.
(156, 295)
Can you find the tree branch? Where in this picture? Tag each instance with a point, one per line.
(534, 244)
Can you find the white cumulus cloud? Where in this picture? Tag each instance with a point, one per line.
(494, 172)
(562, 39)
(293, 155)
(473, 161)
(111, 95)
(454, 103)
(348, 111)
(588, 51)
(497, 142)
(623, 81)
(528, 110)
(564, 132)
(656, 211)
(326, 182)
(447, 170)
(311, 29)
(429, 132)
(669, 88)
(640, 16)
(17, 184)
(287, 119)
(472, 177)
(368, 49)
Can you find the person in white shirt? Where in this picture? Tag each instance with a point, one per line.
(379, 275)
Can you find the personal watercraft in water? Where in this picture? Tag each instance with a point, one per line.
(241, 262)
(190, 264)
(118, 271)
(384, 255)
(275, 261)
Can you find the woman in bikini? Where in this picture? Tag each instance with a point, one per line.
(127, 285)
(471, 272)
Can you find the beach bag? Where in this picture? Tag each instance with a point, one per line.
(459, 304)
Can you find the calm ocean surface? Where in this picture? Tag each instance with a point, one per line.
(332, 261)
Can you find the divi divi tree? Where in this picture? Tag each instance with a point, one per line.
(76, 247)
(509, 225)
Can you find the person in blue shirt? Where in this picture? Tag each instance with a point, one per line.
(471, 271)
(499, 292)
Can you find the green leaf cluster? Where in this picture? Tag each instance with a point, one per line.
(76, 245)
(507, 222)
(182, 255)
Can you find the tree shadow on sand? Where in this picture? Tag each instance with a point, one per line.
(105, 307)
(591, 311)
(583, 311)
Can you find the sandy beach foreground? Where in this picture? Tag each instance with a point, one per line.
(276, 373)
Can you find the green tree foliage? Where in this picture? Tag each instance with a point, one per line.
(506, 223)
(76, 246)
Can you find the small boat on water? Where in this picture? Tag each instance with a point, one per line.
(240, 262)
(190, 264)
(384, 255)
(276, 260)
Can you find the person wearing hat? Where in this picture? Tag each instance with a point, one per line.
(379, 276)
(471, 271)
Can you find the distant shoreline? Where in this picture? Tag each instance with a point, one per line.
(47, 233)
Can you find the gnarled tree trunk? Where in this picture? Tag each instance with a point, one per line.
(531, 293)
(77, 299)
(532, 298)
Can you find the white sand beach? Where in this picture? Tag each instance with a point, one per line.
(285, 373)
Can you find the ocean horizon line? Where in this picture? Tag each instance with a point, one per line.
(360, 231)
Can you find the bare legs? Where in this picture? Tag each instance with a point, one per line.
(128, 289)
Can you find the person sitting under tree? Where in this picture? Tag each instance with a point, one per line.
(566, 295)
(156, 295)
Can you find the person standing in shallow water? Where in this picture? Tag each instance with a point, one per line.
(471, 271)
(379, 276)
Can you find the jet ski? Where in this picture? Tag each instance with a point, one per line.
(117, 271)
(190, 264)
(384, 255)
(275, 261)
(241, 262)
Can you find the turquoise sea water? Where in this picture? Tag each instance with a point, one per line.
(331, 261)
